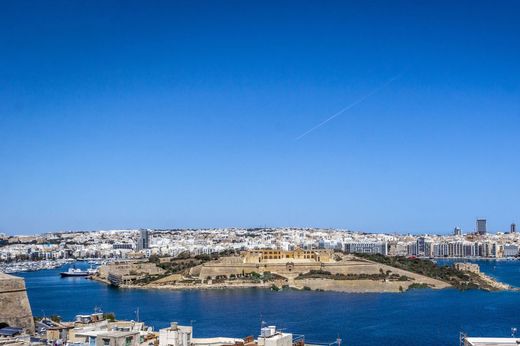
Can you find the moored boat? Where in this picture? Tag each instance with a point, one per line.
(74, 272)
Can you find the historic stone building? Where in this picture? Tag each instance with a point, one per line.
(127, 273)
(298, 255)
(15, 310)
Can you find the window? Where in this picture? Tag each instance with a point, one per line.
(128, 341)
(106, 342)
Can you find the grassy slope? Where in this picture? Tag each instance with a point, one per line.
(459, 279)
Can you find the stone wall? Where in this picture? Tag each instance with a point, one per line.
(355, 286)
(298, 255)
(289, 268)
(136, 268)
(15, 309)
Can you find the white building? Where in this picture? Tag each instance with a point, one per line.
(175, 335)
(269, 336)
(491, 341)
(510, 250)
(366, 247)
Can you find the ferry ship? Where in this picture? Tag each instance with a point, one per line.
(78, 272)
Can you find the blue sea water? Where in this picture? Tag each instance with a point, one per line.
(419, 317)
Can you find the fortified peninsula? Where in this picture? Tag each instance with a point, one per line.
(320, 270)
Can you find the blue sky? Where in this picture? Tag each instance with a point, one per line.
(187, 114)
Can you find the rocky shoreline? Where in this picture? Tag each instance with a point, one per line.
(345, 286)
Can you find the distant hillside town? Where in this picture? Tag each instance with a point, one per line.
(132, 244)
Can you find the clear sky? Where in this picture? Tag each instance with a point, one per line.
(117, 114)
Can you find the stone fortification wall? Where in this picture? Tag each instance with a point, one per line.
(129, 269)
(290, 269)
(15, 309)
(221, 269)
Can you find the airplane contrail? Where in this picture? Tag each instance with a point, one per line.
(358, 101)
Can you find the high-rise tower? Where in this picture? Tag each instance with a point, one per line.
(481, 226)
(143, 240)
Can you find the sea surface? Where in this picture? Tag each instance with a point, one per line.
(419, 317)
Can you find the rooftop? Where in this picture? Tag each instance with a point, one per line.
(491, 341)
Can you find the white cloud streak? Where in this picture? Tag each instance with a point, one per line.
(353, 104)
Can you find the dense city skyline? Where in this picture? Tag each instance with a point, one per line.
(505, 227)
(126, 244)
(380, 116)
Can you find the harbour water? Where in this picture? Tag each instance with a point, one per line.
(424, 317)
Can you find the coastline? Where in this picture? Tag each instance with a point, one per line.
(316, 285)
(349, 275)
(162, 305)
(320, 285)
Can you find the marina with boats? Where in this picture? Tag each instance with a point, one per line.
(31, 266)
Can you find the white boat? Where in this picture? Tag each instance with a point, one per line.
(74, 272)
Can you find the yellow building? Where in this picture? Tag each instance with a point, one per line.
(277, 256)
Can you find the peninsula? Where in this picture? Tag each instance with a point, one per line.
(319, 270)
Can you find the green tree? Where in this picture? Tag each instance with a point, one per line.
(55, 318)
(110, 316)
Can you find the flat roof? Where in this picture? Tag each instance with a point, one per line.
(106, 333)
(492, 341)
